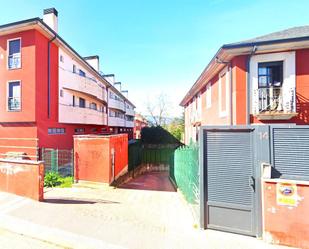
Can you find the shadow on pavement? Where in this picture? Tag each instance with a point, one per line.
(78, 201)
(155, 181)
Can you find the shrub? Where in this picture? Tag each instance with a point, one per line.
(66, 182)
(52, 179)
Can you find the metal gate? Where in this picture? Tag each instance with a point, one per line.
(231, 160)
(230, 180)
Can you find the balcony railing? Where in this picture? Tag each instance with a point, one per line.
(14, 61)
(274, 101)
(80, 83)
(13, 103)
(78, 115)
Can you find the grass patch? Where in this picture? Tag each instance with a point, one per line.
(53, 179)
(66, 182)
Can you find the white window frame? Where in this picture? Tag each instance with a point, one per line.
(223, 112)
(289, 74)
(8, 51)
(208, 95)
(7, 96)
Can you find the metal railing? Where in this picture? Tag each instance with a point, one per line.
(14, 61)
(59, 161)
(274, 99)
(14, 103)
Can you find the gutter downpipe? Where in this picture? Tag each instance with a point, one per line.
(231, 93)
(48, 75)
(248, 104)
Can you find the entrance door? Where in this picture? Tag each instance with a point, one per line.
(229, 180)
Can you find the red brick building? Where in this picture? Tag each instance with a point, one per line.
(139, 123)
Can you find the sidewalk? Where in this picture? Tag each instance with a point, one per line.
(114, 219)
(10, 240)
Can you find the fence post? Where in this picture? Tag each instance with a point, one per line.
(42, 154)
(54, 160)
(72, 160)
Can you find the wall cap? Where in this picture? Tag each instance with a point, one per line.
(279, 180)
(2, 160)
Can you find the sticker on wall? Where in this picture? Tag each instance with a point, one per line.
(286, 194)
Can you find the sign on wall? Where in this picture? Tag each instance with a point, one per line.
(286, 194)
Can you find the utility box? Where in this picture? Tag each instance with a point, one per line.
(100, 158)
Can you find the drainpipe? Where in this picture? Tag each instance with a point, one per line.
(48, 75)
(231, 93)
(107, 110)
(248, 86)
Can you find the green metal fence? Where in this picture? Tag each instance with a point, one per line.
(157, 155)
(153, 154)
(135, 155)
(60, 161)
(184, 170)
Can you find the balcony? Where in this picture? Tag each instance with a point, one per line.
(76, 82)
(116, 104)
(274, 103)
(116, 121)
(129, 124)
(130, 112)
(14, 61)
(76, 115)
(196, 118)
(13, 104)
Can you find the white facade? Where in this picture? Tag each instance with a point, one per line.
(76, 83)
(121, 113)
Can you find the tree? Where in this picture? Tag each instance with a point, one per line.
(176, 127)
(158, 110)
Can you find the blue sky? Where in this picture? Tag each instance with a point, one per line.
(159, 46)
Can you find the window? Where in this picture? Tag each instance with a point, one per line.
(61, 93)
(14, 56)
(270, 74)
(14, 100)
(112, 113)
(270, 79)
(61, 58)
(129, 118)
(82, 73)
(79, 130)
(73, 101)
(56, 131)
(94, 129)
(223, 92)
(208, 95)
(82, 103)
(74, 68)
(93, 106)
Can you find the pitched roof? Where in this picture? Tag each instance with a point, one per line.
(287, 36)
(279, 36)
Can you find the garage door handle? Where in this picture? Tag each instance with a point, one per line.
(252, 182)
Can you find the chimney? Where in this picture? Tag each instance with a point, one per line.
(117, 85)
(125, 93)
(109, 77)
(50, 17)
(93, 61)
